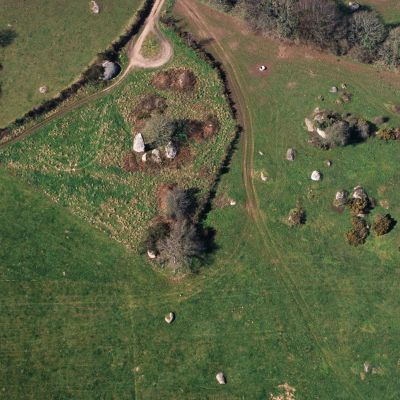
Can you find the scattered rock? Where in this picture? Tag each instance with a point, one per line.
(328, 163)
(151, 254)
(359, 193)
(290, 154)
(170, 151)
(232, 202)
(309, 125)
(380, 119)
(260, 153)
(353, 5)
(169, 318)
(138, 143)
(367, 367)
(220, 378)
(262, 68)
(43, 89)
(341, 198)
(321, 98)
(333, 89)
(144, 157)
(264, 178)
(94, 7)
(316, 176)
(155, 156)
(343, 86)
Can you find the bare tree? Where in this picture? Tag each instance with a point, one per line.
(181, 246)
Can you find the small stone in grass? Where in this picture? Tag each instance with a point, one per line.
(169, 318)
(220, 378)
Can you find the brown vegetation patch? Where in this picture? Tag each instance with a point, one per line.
(179, 79)
(130, 163)
(162, 193)
(149, 105)
(222, 201)
(184, 156)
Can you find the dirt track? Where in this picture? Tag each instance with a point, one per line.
(136, 60)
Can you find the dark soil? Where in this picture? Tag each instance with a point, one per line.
(149, 105)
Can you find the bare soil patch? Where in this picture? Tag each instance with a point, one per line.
(180, 79)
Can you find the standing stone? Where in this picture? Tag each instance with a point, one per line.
(220, 378)
(151, 254)
(138, 143)
(333, 89)
(309, 125)
(43, 89)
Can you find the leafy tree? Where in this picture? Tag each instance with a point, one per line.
(159, 130)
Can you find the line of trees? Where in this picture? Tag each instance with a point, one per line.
(327, 24)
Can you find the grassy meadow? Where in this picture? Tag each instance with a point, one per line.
(56, 40)
(78, 159)
(389, 9)
(274, 305)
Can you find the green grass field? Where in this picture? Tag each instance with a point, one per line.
(389, 9)
(275, 305)
(56, 41)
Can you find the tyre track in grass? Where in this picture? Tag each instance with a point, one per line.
(191, 10)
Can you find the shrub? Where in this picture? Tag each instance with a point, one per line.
(390, 51)
(338, 134)
(388, 134)
(159, 130)
(382, 224)
(180, 246)
(359, 232)
(297, 216)
(358, 206)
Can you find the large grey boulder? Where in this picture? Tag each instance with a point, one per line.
(170, 151)
(138, 143)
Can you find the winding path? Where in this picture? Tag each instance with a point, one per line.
(136, 60)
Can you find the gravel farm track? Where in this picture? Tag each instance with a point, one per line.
(193, 12)
(136, 60)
